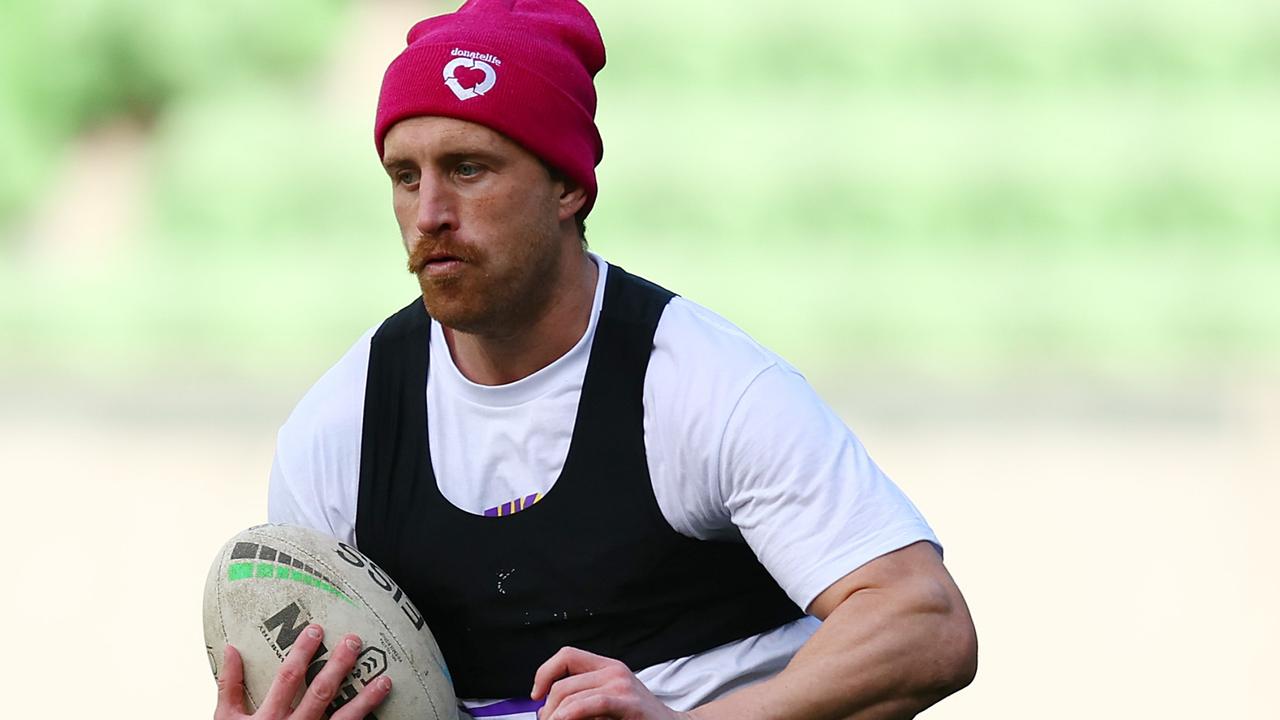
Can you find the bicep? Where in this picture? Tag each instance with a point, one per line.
(915, 568)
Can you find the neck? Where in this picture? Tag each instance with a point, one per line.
(506, 358)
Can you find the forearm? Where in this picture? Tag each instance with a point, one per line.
(881, 653)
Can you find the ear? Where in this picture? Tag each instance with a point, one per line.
(572, 197)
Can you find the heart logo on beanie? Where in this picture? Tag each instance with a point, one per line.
(469, 78)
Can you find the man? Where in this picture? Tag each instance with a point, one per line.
(575, 474)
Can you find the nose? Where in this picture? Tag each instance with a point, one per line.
(437, 208)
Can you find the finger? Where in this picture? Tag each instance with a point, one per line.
(324, 687)
(567, 686)
(370, 697)
(567, 661)
(292, 672)
(593, 703)
(230, 684)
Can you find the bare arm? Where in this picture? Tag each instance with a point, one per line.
(896, 637)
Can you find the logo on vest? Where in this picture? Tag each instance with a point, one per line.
(471, 74)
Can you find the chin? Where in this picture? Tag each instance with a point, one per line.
(457, 316)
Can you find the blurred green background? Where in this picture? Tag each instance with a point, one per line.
(1030, 251)
(963, 192)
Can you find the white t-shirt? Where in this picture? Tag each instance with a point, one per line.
(738, 446)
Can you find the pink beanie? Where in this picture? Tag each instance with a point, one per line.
(521, 67)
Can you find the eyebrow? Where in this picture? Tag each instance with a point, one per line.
(458, 156)
(396, 162)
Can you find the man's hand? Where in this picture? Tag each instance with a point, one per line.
(290, 677)
(579, 686)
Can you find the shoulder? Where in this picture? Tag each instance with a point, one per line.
(695, 345)
(741, 445)
(700, 369)
(335, 403)
(317, 463)
(332, 410)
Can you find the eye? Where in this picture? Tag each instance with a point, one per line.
(406, 177)
(467, 170)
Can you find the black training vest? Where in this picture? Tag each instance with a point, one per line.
(594, 564)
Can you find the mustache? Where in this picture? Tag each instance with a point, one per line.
(425, 249)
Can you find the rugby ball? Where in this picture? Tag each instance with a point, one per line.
(269, 582)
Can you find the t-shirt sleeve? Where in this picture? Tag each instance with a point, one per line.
(293, 499)
(802, 490)
(315, 475)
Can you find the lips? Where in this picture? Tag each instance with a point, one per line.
(434, 260)
(443, 267)
(438, 264)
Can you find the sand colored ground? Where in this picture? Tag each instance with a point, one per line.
(1115, 561)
